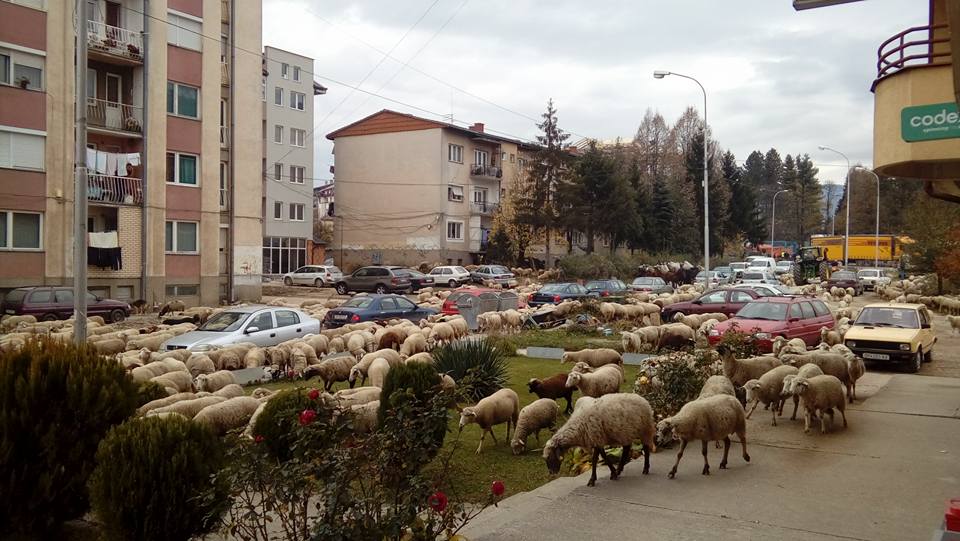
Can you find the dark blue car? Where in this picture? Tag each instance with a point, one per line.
(556, 293)
(375, 308)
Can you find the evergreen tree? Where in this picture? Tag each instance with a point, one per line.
(719, 193)
(809, 198)
(744, 218)
(661, 216)
(786, 226)
(754, 171)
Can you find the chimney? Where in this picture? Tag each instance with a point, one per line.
(477, 127)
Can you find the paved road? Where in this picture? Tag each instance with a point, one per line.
(885, 477)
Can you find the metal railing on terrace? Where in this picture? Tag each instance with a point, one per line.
(484, 170)
(114, 116)
(915, 47)
(114, 40)
(484, 208)
(114, 190)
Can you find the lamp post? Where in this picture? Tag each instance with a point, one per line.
(773, 219)
(876, 231)
(660, 74)
(846, 236)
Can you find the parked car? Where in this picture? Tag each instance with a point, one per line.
(555, 293)
(375, 308)
(450, 275)
(418, 280)
(259, 324)
(871, 278)
(769, 317)
(52, 303)
(845, 279)
(767, 290)
(314, 275)
(893, 332)
(496, 274)
(725, 273)
(725, 301)
(650, 284)
(738, 268)
(715, 279)
(761, 263)
(783, 267)
(607, 288)
(753, 276)
(377, 279)
(449, 306)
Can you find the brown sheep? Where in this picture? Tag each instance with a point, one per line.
(554, 387)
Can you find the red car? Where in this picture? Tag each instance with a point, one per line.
(449, 307)
(52, 303)
(769, 317)
(725, 301)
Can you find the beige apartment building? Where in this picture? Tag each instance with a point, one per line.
(174, 135)
(411, 190)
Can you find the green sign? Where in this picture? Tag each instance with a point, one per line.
(929, 122)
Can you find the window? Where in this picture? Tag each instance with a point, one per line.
(283, 254)
(62, 296)
(5, 68)
(795, 311)
(454, 230)
(178, 290)
(41, 296)
(124, 293)
(807, 310)
(512, 156)
(182, 168)
(286, 318)
(285, 71)
(224, 187)
(277, 171)
(388, 304)
(297, 136)
(455, 153)
(22, 69)
(455, 193)
(480, 157)
(296, 73)
(717, 297)
(740, 296)
(22, 150)
(262, 321)
(296, 174)
(278, 210)
(297, 100)
(182, 100)
(278, 134)
(184, 30)
(296, 212)
(21, 230)
(181, 237)
(819, 308)
(278, 96)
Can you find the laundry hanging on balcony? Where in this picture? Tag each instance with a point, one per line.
(111, 163)
(103, 250)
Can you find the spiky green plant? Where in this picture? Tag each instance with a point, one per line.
(478, 367)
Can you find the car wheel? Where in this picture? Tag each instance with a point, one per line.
(49, 317)
(341, 289)
(452, 284)
(928, 356)
(318, 282)
(915, 363)
(117, 316)
(287, 281)
(380, 289)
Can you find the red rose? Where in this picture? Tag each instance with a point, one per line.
(437, 501)
(497, 488)
(258, 439)
(307, 417)
(313, 394)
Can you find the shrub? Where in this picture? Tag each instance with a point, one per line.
(681, 375)
(478, 366)
(277, 423)
(149, 391)
(149, 475)
(56, 403)
(742, 344)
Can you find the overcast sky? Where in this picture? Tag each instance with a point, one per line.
(775, 77)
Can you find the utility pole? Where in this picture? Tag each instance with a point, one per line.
(80, 183)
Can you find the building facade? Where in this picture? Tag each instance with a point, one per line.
(288, 91)
(411, 190)
(166, 155)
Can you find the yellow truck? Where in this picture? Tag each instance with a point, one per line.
(863, 248)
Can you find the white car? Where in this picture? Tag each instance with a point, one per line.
(751, 276)
(738, 268)
(313, 275)
(451, 275)
(258, 324)
(761, 263)
(784, 267)
(767, 290)
(871, 278)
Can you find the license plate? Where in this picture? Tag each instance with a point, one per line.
(339, 316)
(876, 356)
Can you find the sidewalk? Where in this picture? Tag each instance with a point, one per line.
(885, 477)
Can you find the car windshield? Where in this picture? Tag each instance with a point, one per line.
(869, 273)
(497, 269)
(753, 276)
(602, 284)
(554, 288)
(224, 322)
(644, 281)
(738, 266)
(763, 292)
(844, 275)
(902, 318)
(357, 302)
(722, 269)
(415, 274)
(772, 311)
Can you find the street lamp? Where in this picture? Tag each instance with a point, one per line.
(773, 219)
(846, 236)
(660, 74)
(876, 231)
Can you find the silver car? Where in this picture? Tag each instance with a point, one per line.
(261, 325)
(314, 275)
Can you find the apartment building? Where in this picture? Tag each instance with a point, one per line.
(168, 150)
(288, 90)
(410, 190)
(323, 202)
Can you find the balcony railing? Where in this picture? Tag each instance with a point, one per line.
(224, 137)
(224, 74)
(114, 116)
(224, 199)
(115, 190)
(484, 208)
(224, 11)
(914, 47)
(484, 170)
(114, 40)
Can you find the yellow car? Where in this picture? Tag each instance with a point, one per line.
(891, 331)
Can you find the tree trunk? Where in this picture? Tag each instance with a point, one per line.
(546, 250)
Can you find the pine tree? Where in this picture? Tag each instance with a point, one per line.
(719, 193)
(744, 217)
(786, 226)
(662, 216)
(809, 198)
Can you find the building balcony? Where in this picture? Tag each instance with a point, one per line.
(484, 208)
(224, 74)
(113, 44)
(224, 137)
(114, 190)
(483, 170)
(114, 117)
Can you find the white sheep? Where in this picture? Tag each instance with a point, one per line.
(359, 369)
(832, 364)
(415, 343)
(612, 420)
(820, 395)
(534, 417)
(180, 381)
(331, 370)
(768, 390)
(829, 337)
(604, 380)
(215, 381)
(346, 398)
(806, 371)
(954, 322)
(782, 346)
(378, 372)
(594, 357)
(741, 371)
(229, 414)
(502, 406)
(165, 401)
(706, 419)
(199, 363)
(189, 408)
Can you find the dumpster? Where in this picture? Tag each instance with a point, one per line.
(509, 301)
(469, 308)
(489, 302)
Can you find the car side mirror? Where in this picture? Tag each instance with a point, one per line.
(249, 330)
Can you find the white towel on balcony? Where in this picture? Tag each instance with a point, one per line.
(101, 162)
(111, 163)
(134, 159)
(122, 165)
(107, 239)
(91, 158)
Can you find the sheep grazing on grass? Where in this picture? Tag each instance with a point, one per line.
(331, 370)
(346, 398)
(502, 406)
(675, 336)
(318, 342)
(954, 322)
(423, 357)
(256, 357)
(832, 364)
(706, 419)
(820, 395)
(613, 420)
(215, 381)
(154, 369)
(594, 357)
(604, 380)
(378, 371)
(189, 408)
(768, 389)
(356, 345)
(741, 371)
(227, 415)
(360, 368)
(533, 418)
(553, 387)
(415, 343)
